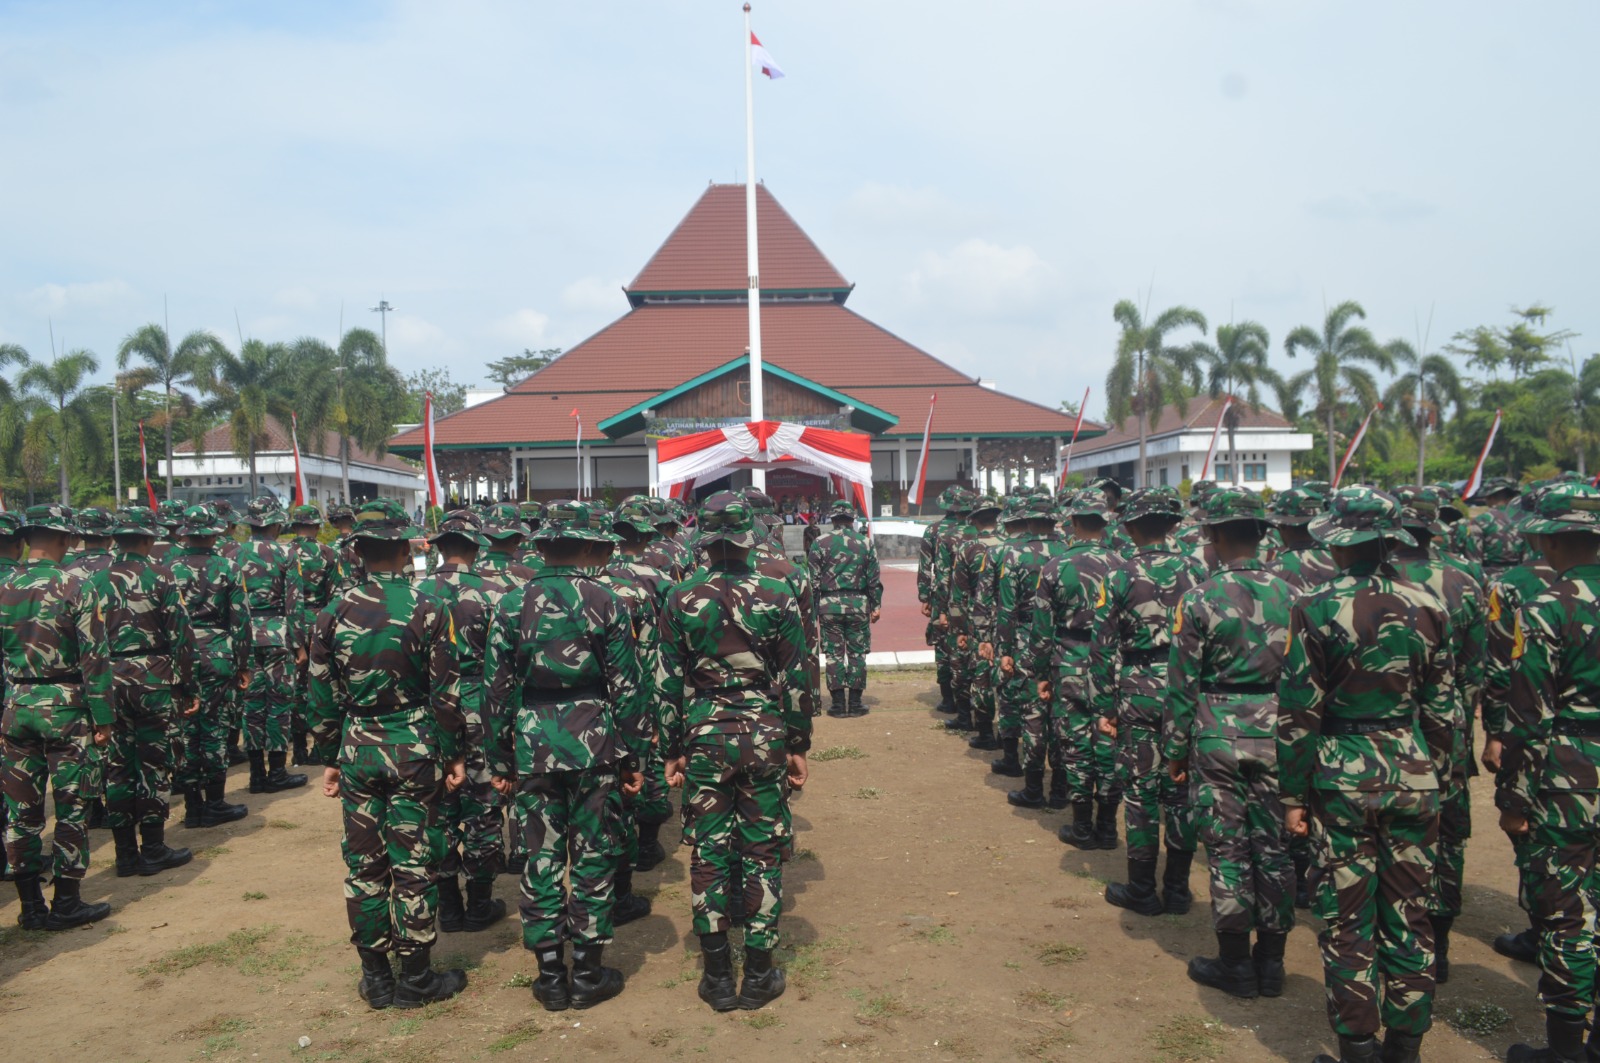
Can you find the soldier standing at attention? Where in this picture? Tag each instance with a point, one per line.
(271, 592)
(387, 725)
(152, 663)
(1366, 733)
(733, 730)
(849, 590)
(57, 704)
(1550, 785)
(1301, 561)
(316, 567)
(928, 593)
(94, 526)
(11, 548)
(212, 595)
(1221, 730)
(667, 552)
(504, 533)
(1499, 542)
(968, 604)
(342, 519)
(1132, 649)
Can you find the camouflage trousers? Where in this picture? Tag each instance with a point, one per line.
(1564, 879)
(933, 635)
(960, 663)
(1450, 868)
(1371, 884)
(267, 704)
(846, 637)
(979, 689)
(1011, 700)
(204, 736)
(139, 757)
(736, 813)
(1041, 735)
(45, 747)
(1151, 800)
(573, 839)
(1241, 823)
(1089, 757)
(392, 840)
(472, 818)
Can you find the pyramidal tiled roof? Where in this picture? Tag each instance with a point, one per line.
(1202, 415)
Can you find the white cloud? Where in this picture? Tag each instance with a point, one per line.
(887, 204)
(594, 294)
(56, 299)
(982, 277)
(525, 326)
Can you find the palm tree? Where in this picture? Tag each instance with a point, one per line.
(60, 413)
(247, 388)
(1339, 353)
(168, 368)
(1571, 402)
(351, 391)
(1148, 374)
(1239, 360)
(1419, 398)
(11, 418)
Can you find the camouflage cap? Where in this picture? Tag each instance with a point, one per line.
(1320, 488)
(1156, 502)
(1027, 506)
(1359, 515)
(383, 518)
(305, 516)
(982, 504)
(1564, 507)
(201, 521)
(637, 515)
(1110, 486)
(96, 522)
(10, 524)
(759, 500)
(1450, 504)
(727, 518)
(136, 520)
(1495, 485)
(569, 519)
(1227, 504)
(958, 499)
(1090, 502)
(947, 497)
(1296, 506)
(263, 512)
(503, 520)
(223, 509)
(841, 509)
(51, 516)
(532, 513)
(1419, 509)
(170, 514)
(663, 511)
(1200, 490)
(339, 512)
(460, 522)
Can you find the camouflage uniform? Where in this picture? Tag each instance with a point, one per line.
(849, 590)
(941, 587)
(1303, 567)
(272, 596)
(10, 534)
(967, 605)
(1366, 732)
(316, 570)
(386, 715)
(1499, 542)
(1220, 726)
(668, 553)
(1024, 728)
(95, 523)
(929, 594)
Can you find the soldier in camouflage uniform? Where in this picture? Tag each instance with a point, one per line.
(1459, 538)
(1549, 787)
(271, 593)
(169, 521)
(501, 557)
(213, 597)
(1367, 730)
(1300, 561)
(967, 612)
(667, 552)
(568, 732)
(1131, 652)
(1220, 730)
(152, 662)
(956, 526)
(733, 730)
(11, 550)
(1500, 544)
(769, 560)
(316, 569)
(57, 677)
(849, 590)
(387, 725)
(94, 527)
(342, 519)
(948, 524)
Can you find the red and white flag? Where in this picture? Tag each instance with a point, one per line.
(1477, 470)
(762, 59)
(144, 462)
(578, 449)
(1216, 433)
(1354, 443)
(301, 495)
(1064, 462)
(435, 486)
(920, 483)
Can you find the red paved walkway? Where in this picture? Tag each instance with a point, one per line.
(902, 624)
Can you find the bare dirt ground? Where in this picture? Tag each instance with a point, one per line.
(926, 918)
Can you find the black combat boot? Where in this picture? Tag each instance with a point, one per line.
(1441, 947)
(1175, 883)
(1080, 832)
(126, 840)
(592, 982)
(484, 909)
(1032, 793)
(762, 983)
(1138, 895)
(421, 985)
(1008, 763)
(1302, 878)
(963, 717)
(716, 981)
(1268, 957)
(836, 703)
(1407, 1047)
(1105, 824)
(301, 748)
(68, 910)
(947, 703)
(258, 772)
(377, 984)
(551, 988)
(216, 811)
(279, 779)
(1058, 789)
(452, 913)
(1564, 1034)
(627, 906)
(856, 707)
(1233, 971)
(192, 805)
(94, 817)
(236, 756)
(155, 855)
(984, 739)
(1522, 947)
(30, 891)
(651, 852)
(1353, 1050)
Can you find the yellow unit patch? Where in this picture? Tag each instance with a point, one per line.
(1518, 643)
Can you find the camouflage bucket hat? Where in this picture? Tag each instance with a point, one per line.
(136, 520)
(727, 518)
(1564, 507)
(340, 512)
(170, 515)
(305, 516)
(982, 504)
(263, 512)
(532, 513)
(568, 519)
(1109, 486)
(1495, 485)
(959, 500)
(662, 511)
(201, 520)
(52, 516)
(759, 500)
(383, 518)
(1321, 488)
(841, 508)
(1162, 502)
(10, 524)
(1359, 515)
(503, 520)
(1228, 504)
(223, 509)
(94, 522)
(1028, 506)
(462, 522)
(1200, 490)
(1090, 502)
(1419, 509)
(1296, 506)
(637, 515)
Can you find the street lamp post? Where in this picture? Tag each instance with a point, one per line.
(382, 310)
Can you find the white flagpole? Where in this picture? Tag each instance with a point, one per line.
(758, 409)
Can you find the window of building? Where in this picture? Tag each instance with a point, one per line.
(1222, 473)
(1255, 472)
(1185, 475)
(1163, 476)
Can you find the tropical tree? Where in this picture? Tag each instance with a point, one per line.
(245, 389)
(351, 391)
(1340, 353)
(1238, 362)
(11, 417)
(1148, 373)
(1420, 397)
(60, 414)
(511, 370)
(168, 368)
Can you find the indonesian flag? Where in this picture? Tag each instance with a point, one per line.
(1354, 443)
(1477, 470)
(144, 462)
(919, 485)
(1064, 461)
(435, 486)
(1216, 432)
(578, 448)
(759, 56)
(300, 492)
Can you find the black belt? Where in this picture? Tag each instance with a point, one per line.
(727, 690)
(1161, 654)
(266, 612)
(1077, 634)
(61, 680)
(370, 711)
(122, 655)
(843, 590)
(1253, 689)
(1571, 728)
(1334, 727)
(557, 695)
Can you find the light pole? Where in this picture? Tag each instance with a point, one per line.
(382, 310)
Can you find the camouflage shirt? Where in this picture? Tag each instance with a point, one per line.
(643, 590)
(1464, 539)
(271, 593)
(214, 598)
(1133, 638)
(844, 572)
(86, 563)
(470, 600)
(970, 601)
(928, 589)
(1063, 625)
(1462, 597)
(1021, 561)
(1507, 595)
(147, 627)
(505, 568)
(52, 628)
(1501, 545)
(670, 556)
(1304, 568)
(316, 567)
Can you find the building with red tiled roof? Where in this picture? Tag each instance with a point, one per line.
(1260, 455)
(678, 361)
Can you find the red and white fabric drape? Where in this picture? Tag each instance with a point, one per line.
(845, 456)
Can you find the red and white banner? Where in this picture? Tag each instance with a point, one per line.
(578, 452)
(1064, 462)
(435, 486)
(762, 59)
(1354, 443)
(301, 495)
(1216, 433)
(144, 462)
(1477, 470)
(920, 483)
(766, 444)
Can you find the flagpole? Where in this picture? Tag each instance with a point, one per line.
(758, 408)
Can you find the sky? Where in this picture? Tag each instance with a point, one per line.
(993, 177)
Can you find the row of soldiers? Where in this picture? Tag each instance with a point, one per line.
(1296, 686)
